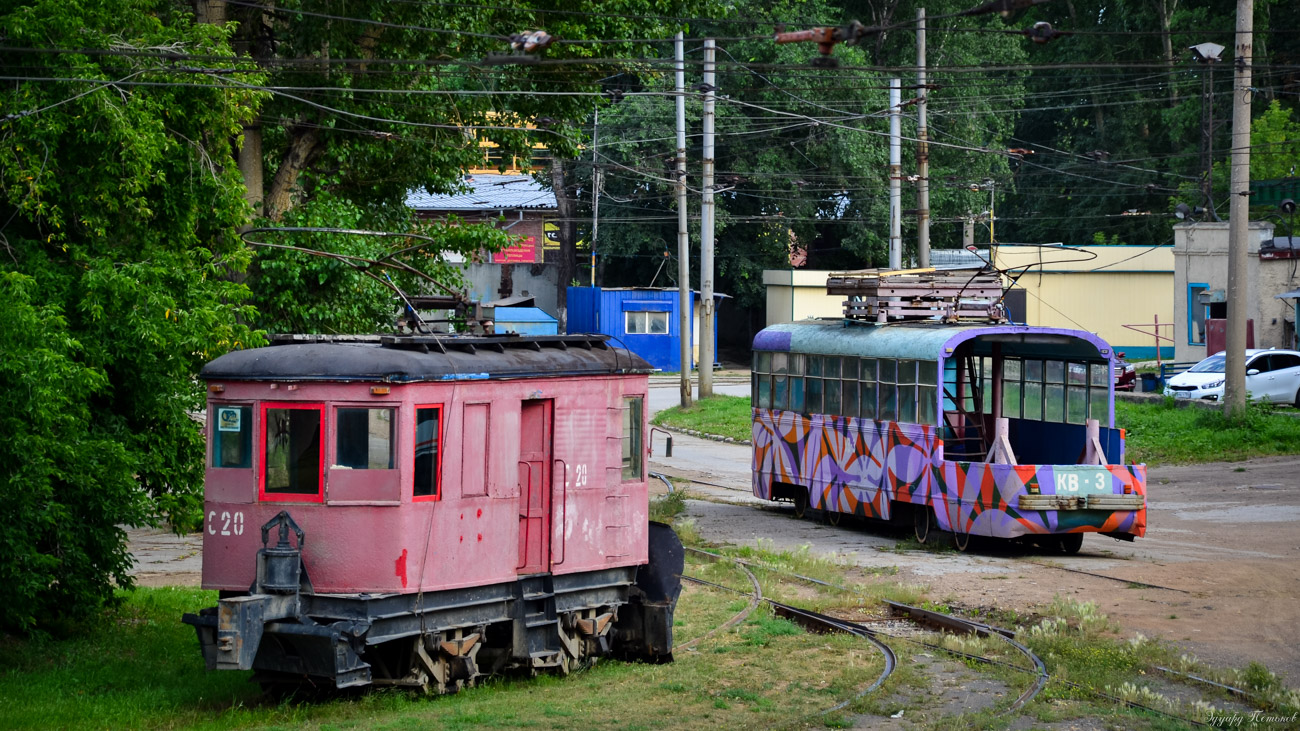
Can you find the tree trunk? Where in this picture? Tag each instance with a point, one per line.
(250, 167)
(303, 142)
(210, 11)
(568, 261)
(1166, 8)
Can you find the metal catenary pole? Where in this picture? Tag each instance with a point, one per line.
(1234, 388)
(706, 232)
(683, 236)
(922, 150)
(595, 194)
(895, 173)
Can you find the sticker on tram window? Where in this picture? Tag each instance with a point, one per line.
(1081, 480)
(228, 419)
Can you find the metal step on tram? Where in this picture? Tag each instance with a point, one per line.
(537, 624)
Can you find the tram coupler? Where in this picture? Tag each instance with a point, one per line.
(231, 633)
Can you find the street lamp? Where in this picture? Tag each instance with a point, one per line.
(1208, 54)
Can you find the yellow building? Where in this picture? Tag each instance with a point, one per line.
(1095, 288)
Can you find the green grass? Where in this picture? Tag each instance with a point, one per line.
(1158, 432)
(139, 667)
(724, 416)
(1161, 433)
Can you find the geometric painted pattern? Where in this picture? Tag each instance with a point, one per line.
(858, 466)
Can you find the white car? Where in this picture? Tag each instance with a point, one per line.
(1271, 375)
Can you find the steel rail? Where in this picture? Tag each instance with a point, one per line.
(945, 620)
(1142, 584)
(755, 597)
(808, 619)
(967, 626)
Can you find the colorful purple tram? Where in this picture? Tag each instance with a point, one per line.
(974, 430)
(424, 510)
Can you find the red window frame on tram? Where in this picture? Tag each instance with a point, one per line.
(437, 460)
(262, 494)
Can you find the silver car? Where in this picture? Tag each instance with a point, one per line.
(1271, 375)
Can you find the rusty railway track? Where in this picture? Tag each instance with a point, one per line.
(816, 622)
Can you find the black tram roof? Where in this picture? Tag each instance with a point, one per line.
(424, 358)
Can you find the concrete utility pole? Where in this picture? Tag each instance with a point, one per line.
(706, 232)
(1234, 388)
(922, 150)
(683, 236)
(968, 231)
(895, 175)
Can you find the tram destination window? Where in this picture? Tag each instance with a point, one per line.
(633, 449)
(232, 435)
(364, 438)
(293, 451)
(428, 452)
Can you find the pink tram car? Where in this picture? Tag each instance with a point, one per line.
(974, 430)
(424, 510)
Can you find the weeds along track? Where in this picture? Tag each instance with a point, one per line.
(821, 623)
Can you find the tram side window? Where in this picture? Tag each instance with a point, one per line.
(293, 450)
(888, 409)
(232, 435)
(1099, 391)
(761, 388)
(813, 389)
(1033, 390)
(364, 438)
(1054, 390)
(1011, 387)
(794, 384)
(1076, 393)
(831, 384)
(849, 387)
(633, 444)
(927, 396)
(907, 391)
(867, 395)
(428, 452)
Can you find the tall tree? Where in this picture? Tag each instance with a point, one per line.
(117, 220)
(374, 99)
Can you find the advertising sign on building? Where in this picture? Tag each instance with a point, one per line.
(524, 252)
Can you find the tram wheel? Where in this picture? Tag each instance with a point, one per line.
(1069, 543)
(800, 503)
(962, 541)
(923, 525)
(833, 517)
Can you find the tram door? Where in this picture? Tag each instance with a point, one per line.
(535, 486)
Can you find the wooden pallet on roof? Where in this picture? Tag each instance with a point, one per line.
(919, 294)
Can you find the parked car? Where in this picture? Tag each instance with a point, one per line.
(1125, 374)
(1271, 375)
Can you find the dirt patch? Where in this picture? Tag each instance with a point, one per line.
(950, 689)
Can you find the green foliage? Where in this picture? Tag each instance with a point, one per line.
(801, 153)
(298, 292)
(115, 260)
(1274, 143)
